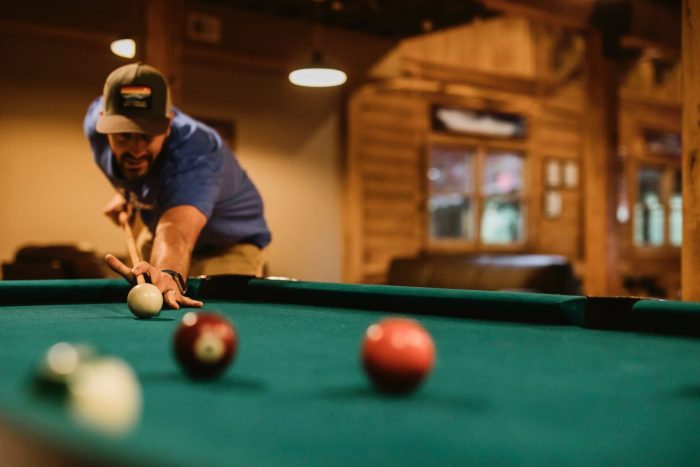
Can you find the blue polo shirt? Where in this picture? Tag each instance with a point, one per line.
(195, 168)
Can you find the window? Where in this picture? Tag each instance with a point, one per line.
(658, 216)
(675, 208)
(476, 195)
(649, 210)
(452, 192)
(502, 217)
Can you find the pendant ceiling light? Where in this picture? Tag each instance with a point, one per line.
(123, 47)
(317, 73)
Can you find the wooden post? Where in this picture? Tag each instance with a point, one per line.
(690, 251)
(164, 31)
(601, 244)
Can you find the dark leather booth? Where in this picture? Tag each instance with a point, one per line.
(523, 272)
(53, 262)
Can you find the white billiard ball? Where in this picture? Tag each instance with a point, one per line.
(145, 300)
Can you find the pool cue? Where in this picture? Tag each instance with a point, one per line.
(131, 244)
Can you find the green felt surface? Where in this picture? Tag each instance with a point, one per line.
(501, 393)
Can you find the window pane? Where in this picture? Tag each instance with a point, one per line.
(503, 173)
(451, 178)
(451, 216)
(649, 212)
(675, 209)
(502, 216)
(501, 221)
(451, 170)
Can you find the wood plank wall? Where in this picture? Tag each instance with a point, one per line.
(383, 194)
(558, 139)
(498, 46)
(660, 264)
(650, 99)
(389, 129)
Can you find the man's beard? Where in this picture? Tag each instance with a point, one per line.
(135, 168)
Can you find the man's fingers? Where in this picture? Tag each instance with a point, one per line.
(119, 267)
(143, 268)
(187, 301)
(175, 300)
(170, 299)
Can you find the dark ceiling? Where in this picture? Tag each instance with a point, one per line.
(397, 19)
(388, 18)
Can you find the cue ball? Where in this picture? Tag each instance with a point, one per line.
(204, 344)
(145, 300)
(397, 355)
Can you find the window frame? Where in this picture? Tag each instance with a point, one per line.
(481, 146)
(668, 164)
(668, 169)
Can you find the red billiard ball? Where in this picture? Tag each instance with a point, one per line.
(204, 344)
(397, 354)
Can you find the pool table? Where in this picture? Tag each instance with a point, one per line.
(520, 378)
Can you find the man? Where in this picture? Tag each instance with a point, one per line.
(201, 212)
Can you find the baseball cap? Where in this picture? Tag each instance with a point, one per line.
(136, 99)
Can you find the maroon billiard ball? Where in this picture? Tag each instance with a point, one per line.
(397, 355)
(204, 344)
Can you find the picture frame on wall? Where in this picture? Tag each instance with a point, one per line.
(552, 173)
(571, 174)
(553, 204)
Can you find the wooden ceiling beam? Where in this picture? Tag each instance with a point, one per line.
(650, 25)
(655, 26)
(458, 75)
(568, 13)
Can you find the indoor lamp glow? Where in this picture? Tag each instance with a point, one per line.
(317, 74)
(124, 48)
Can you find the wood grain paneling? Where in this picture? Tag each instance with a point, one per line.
(600, 145)
(561, 80)
(384, 198)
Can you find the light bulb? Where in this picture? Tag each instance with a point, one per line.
(124, 48)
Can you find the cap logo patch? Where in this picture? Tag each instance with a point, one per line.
(135, 97)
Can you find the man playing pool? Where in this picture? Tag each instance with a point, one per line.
(201, 212)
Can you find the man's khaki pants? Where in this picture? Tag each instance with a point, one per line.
(242, 258)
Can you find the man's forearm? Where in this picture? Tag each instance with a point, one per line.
(175, 237)
(171, 250)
